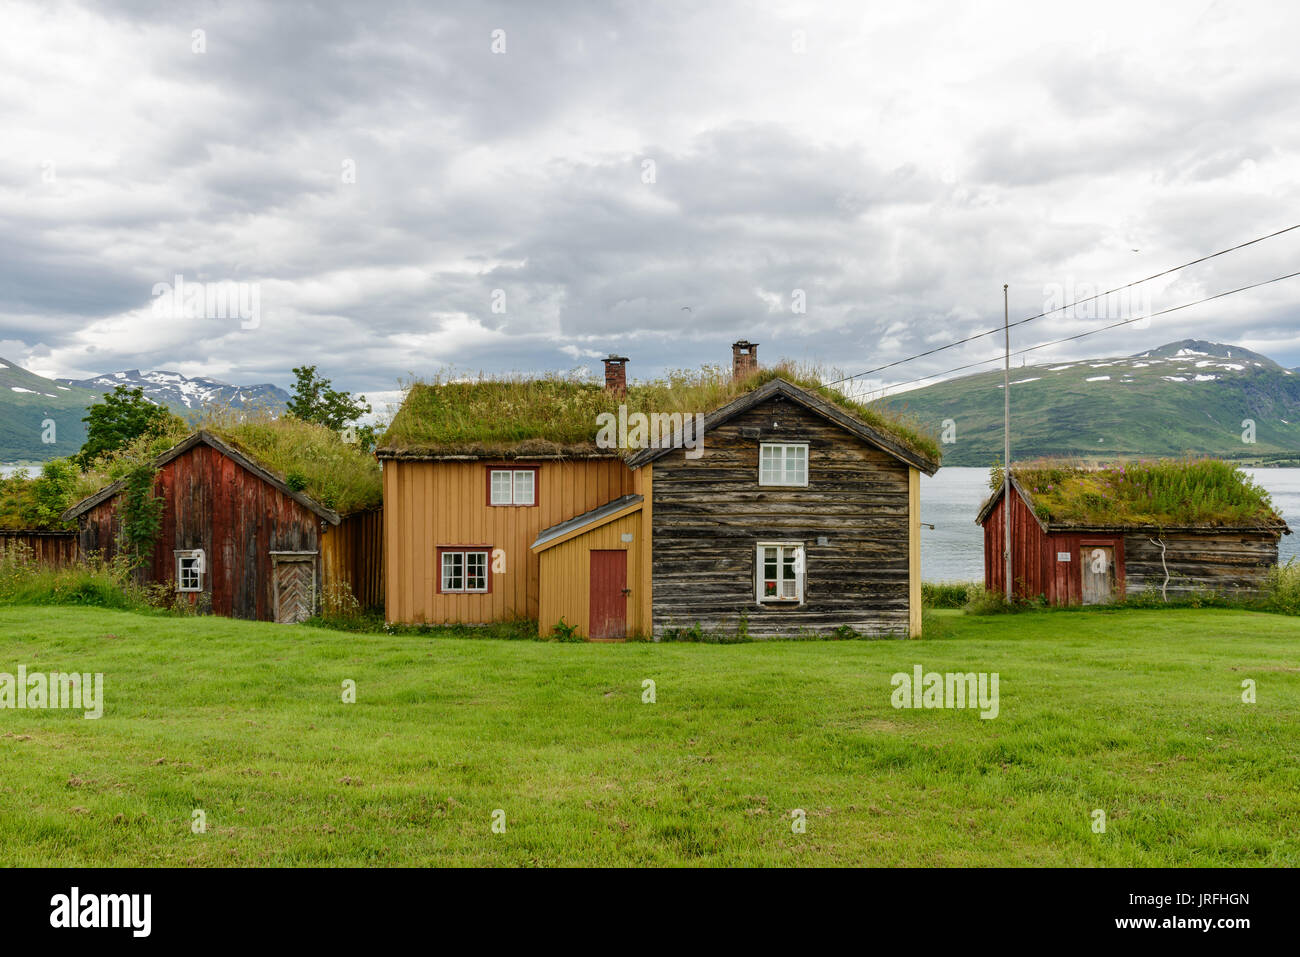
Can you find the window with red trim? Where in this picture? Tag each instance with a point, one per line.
(512, 486)
(464, 569)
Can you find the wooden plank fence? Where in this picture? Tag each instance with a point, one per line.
(55, 548)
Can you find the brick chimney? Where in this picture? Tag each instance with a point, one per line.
(616, 374)
(744, 358)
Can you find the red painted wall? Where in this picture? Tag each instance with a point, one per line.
(213, 503)
(1034, 567)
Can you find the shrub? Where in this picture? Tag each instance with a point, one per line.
(563, 631)
(982, 601)
(1282, 589)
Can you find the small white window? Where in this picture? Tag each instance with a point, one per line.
(523, 487)
(512, 487)
(464, 571)
(189, 570)
(784, 464)
(779, 572)
(501, 492)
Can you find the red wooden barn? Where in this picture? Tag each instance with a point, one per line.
(1070, 563)
(236, 540)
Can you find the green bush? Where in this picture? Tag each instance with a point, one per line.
(563, 631)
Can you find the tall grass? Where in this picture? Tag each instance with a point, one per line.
(308, 456)
(1163, 492)
(557, 413)
(103, 584)
(946, 594)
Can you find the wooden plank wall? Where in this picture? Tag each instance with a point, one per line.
(566, 577)
(710, 513)
(213, 503)
(54, 548)
(1231, 563)
(352, 553)
(1030, 570)
(914, 551)
(432, 504)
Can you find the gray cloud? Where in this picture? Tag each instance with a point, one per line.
(896, 174)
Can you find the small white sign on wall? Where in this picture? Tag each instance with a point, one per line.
(1062, 556)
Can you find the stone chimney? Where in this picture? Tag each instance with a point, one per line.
(616, 374)
(744, 358)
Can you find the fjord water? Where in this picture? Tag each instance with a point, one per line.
(954, 549)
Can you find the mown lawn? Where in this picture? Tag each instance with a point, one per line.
(1137, 713)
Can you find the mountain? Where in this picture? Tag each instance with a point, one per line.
(28, 404)
(1190, 396)
(184, 394)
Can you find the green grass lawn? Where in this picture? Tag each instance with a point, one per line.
(1137, 713)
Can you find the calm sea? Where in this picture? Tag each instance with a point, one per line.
(954, 550)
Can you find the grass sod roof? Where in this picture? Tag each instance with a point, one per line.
(552, 415)
(1162, 493)
(307, 457)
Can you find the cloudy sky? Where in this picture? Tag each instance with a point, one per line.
(529, 186)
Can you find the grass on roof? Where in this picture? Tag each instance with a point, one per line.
(1162, 492)
(308, 457)
(555, 414)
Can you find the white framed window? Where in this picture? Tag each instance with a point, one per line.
(512, 487)
(464, 570)
(189, 569)
(779, 572)
(783, 463)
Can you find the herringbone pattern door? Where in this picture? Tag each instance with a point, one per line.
(295, 591)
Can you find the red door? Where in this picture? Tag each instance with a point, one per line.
(609, 594)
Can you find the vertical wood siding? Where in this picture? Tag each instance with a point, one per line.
(710, 513)
(566, 577)
(428, 504)
(352, 553)
(56, 549)
(213, 503)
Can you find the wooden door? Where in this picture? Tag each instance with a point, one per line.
(609, 594)
(295, 589)
(1097, 566)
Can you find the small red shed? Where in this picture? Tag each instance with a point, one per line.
(236, 539)
(1071, 563)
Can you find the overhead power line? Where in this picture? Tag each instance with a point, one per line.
(1093, 332)
(1069, 305)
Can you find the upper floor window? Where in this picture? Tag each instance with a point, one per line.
(512, 486)
(189, 570)
(783, 464)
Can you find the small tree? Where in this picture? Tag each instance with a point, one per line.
(51, 494)
(314, 401)
(117, 420)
